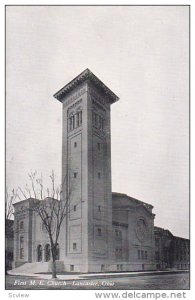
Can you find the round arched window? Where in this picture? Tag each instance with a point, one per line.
(39, 253)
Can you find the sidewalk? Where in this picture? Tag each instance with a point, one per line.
(86, 276)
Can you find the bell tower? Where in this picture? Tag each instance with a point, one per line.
(86, 173)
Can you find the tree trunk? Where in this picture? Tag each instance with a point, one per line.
(54, 275)
(53, 253)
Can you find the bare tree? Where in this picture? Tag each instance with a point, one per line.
(10, 198)
(51, 205)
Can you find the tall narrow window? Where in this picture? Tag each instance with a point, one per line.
(77, 119)
(39, 253)
(99, 146)
(22, 225)
(80, 117)
(73, 122)
(21, 247)
(99, 175)
(138, 254)
(74, 246)
(75, 174)
(70, 123)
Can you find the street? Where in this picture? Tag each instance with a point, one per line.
(171, 281)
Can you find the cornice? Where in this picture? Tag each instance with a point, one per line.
(86, 75)
(133, 208)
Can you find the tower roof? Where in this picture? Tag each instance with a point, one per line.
(85, 75)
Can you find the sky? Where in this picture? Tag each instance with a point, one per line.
(142, 55)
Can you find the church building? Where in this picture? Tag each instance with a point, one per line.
(103, 231)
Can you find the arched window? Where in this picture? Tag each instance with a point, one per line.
(47, 252)
(79, 118)
(21, 247)
(57, 252)
(71, 121)
(39, 253)
(75, 119)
